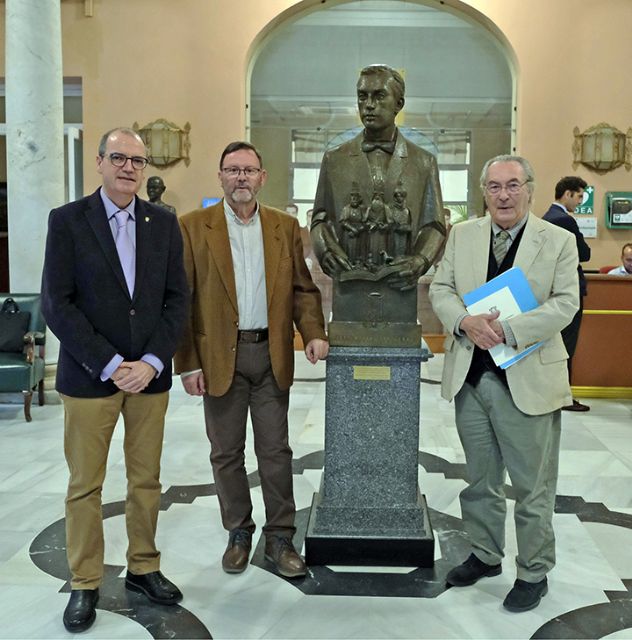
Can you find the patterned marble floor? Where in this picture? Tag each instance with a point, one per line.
(590, 588)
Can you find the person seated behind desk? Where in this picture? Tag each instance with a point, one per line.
(625, 269)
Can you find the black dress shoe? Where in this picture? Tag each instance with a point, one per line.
(470, 571)
(155, 586)
(525, 596)
(576, 406)
(80, 612)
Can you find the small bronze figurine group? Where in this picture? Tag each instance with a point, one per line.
(373, 235)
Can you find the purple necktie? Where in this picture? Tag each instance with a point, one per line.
(125, 248)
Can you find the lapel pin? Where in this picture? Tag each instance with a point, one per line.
(146, 218)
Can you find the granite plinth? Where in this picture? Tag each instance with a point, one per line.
(369, 509)
(368, 536)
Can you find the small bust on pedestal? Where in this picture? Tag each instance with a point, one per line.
(155, 189)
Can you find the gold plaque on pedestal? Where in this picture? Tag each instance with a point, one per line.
(386, 334)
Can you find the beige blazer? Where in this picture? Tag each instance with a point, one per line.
(548, 256)
(210, 338)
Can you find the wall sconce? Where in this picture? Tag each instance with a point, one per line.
(166, 142)
(602, 148)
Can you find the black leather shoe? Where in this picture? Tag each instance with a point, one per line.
(525, 596)
(80, 612)
(470, 571)
(281, 552)
(576, 406)
(235, 558)
(155, 586)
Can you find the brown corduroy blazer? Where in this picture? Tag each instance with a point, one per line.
(210, 338)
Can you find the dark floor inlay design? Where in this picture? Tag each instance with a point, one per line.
(48, 553)
(593, 621)
(417, 583)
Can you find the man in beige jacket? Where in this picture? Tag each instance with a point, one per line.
(249, 284)
(508, 420)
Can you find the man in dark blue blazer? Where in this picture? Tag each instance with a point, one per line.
(569, 193)
(114, 292)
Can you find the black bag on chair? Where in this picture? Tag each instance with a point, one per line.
(13, 325)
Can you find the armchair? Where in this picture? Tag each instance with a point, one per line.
(24, 371)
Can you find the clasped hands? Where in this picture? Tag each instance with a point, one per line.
(484, 330)
(133, 377)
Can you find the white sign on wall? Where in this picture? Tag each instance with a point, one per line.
(588, 227)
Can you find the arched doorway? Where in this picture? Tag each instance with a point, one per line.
(459, 92)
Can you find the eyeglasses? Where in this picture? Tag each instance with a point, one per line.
(513, 188)
(120, 159)
(233, 172)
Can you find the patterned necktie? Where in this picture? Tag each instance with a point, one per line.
(499, 246)
(125, 248)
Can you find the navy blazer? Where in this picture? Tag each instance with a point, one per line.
(555, 215)
(86, 302)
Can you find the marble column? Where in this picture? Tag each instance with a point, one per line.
(35, 132)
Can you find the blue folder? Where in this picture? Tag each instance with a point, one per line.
(516, 281)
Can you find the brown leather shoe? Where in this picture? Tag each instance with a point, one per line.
(281, 552)
(235, 558)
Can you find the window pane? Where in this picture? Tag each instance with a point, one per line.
(453, 185)
(305, 182)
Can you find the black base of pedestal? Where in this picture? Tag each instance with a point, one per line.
(398, 550)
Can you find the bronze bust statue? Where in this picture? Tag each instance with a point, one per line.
(155, 189)
(378, 215)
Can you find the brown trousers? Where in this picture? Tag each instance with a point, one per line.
(89, 425)
(254, 388)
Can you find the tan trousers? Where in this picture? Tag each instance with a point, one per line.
(253, 388)
(88, 427)
(498, 438)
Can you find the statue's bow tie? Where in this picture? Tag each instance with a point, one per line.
(389, 147)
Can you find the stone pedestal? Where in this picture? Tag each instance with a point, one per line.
(369, 510)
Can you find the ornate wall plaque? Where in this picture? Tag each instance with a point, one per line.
(602, 148)
(166, 142)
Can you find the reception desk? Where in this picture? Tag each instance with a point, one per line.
(602, 365)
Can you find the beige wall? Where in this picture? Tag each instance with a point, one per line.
(187, 61)
(571, 71)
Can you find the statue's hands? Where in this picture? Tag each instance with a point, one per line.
(410, 270)
(333, 263)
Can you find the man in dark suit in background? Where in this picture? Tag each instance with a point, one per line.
(569, 193)
(114, 292)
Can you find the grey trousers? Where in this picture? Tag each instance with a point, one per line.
(253, 388)
(498, 438)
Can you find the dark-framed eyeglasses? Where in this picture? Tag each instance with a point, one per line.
(233, 172)
(513, 188)
(120, 159)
